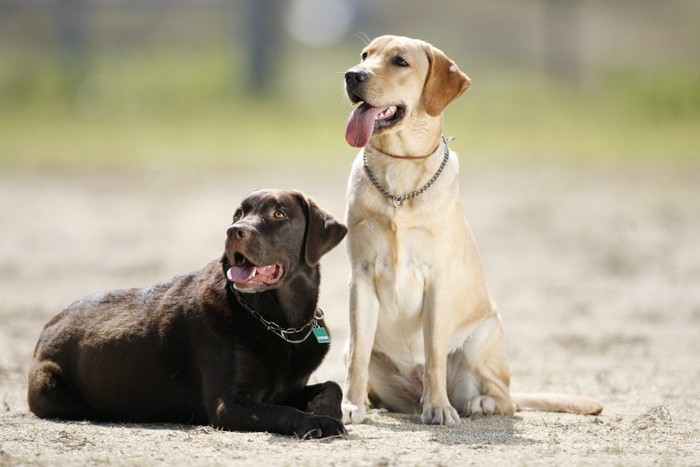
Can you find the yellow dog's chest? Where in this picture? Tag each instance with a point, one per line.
(402, 266)
(400, 278)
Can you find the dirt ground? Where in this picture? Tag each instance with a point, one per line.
(596, 272)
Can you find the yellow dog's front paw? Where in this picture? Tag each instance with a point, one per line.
(446, 415)
(353, 413)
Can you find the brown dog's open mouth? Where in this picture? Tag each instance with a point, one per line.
(248, 275)
(366, 120)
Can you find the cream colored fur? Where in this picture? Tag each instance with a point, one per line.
(425, 334)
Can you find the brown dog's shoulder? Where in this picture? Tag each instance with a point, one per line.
(211, 276)
(210, 284)
(198, 290)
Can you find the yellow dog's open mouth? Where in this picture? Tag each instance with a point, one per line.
(245, 274)
(365, 120)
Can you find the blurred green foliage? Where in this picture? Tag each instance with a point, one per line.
(186, 107)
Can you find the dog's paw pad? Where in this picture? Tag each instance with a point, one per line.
(440, 416)
(352, 413)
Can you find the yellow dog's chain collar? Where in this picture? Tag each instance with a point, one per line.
(396, 200)
(281, 332)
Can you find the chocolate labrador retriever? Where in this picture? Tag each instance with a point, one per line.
(232, 345)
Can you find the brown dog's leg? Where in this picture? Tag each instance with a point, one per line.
(50, 397)
(319, 399)
(238, 416)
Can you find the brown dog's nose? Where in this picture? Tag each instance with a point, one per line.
(237, 231)
(353, 78)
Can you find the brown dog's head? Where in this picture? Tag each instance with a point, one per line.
(399, 82)
(274, 234)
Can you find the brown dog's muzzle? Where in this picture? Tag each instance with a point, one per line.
(238, 231)
(246, 271)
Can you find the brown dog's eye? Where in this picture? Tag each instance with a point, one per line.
(364, 56)
(237, 214)
(279, 214)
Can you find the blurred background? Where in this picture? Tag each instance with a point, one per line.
(184, 84)
(130, 130)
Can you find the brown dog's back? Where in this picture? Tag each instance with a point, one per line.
(124, 345)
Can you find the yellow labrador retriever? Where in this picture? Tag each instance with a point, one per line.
(424, 331)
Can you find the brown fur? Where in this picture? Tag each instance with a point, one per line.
(186, 351)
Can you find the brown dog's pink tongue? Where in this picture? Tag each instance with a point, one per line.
(240, 274)
(361, 125)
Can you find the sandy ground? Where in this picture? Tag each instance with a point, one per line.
(596, 272)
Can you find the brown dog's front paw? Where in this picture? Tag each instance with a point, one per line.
(314, 427)
(327, 402)
(325, 409)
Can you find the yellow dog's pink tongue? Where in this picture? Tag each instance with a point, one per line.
(361, 124)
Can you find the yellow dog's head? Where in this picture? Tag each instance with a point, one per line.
(399, 82)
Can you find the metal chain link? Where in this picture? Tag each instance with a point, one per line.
(397, 201)
(276, 328)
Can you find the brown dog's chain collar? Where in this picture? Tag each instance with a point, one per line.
(397, 201)
(275, 328)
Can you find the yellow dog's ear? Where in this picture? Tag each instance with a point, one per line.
(444, 84)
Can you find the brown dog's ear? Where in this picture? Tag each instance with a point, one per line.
(444, 84)
(323, 231)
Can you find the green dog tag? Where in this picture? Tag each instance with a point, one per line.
(321, 335)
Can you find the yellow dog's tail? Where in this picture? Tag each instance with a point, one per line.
(549, 402)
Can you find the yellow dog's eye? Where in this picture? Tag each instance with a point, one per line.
(279, 214)
(364, 56)
(399, 61)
